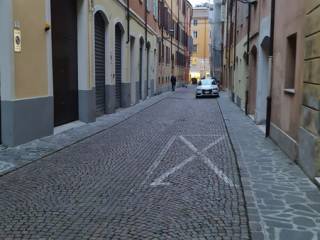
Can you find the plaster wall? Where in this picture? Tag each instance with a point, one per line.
(286, 107)
(241, 74)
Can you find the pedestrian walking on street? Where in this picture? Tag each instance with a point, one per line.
(173, 82)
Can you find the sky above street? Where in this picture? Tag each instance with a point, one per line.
(194, 2)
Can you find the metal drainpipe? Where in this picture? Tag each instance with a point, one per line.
(229, 53)
(146, 41)
(235, 35)
(171, 44)
(227, 45)
(145, 22)
(128, 21)
(178, 34)
(248, 50)
(269, 98)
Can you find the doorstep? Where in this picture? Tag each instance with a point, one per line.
(68, 126)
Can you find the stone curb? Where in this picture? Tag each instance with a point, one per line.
(254, 220)
(13, 158)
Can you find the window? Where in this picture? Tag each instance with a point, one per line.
(291, 63)
(180, 58)
(149, 5)
(195, 48)
(183, 7)
(195, 22)
(167, 55)
(160, 52)
(155, 9)
(195, 34)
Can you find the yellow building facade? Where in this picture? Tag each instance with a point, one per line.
(67, 61)
(200, 31)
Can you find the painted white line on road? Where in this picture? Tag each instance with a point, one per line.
(160, 180)
(213, 144)
(217, 171)
(202, 135)
(159, 158)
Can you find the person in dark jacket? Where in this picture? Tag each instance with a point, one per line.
(173, 82)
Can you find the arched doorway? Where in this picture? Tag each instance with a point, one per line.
(252, 81)
(262, 80)
(118, 63)
(100, 62)
(141, 67)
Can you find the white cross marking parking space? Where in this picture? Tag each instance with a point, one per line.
(160, 180)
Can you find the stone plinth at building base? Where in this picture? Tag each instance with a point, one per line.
(284, 141)
(87, 103)
(26, 119)
(309, 153)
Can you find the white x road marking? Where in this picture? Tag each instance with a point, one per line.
(160, 180)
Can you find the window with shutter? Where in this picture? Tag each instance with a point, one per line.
(155, 9)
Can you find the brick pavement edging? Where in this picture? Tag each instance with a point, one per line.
(282, 202)
(14, 158)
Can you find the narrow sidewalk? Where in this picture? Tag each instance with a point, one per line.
(282, 202)
(17, 157)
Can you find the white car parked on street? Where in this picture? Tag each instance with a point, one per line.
(207, 88)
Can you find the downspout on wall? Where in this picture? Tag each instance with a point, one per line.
(270, 80)
(235, 35)
(248, 57)
(128, 21)
(229, 23)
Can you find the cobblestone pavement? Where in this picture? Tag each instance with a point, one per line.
(282, 202)
(16, 157)
(168, 172)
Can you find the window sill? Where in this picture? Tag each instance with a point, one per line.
(289, 91)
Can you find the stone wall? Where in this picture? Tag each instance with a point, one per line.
(309, 135)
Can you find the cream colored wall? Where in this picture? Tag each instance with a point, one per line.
(115, 13)
(202, 41)
(241, 72)
(286, 107)
(31, 76)
(31, 65)
(203, 53)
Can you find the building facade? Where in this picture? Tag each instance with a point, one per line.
(201, 32)
(66, 61)
(309, 132)
(173, 44)
(281, 88)
(241, 77)
(216, 40)
(287, 84)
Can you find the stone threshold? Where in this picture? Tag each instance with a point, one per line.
(13, 158)
(317, 181)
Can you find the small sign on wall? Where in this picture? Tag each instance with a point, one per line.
(17, 40)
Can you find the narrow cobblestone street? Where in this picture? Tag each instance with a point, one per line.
(168, 172)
